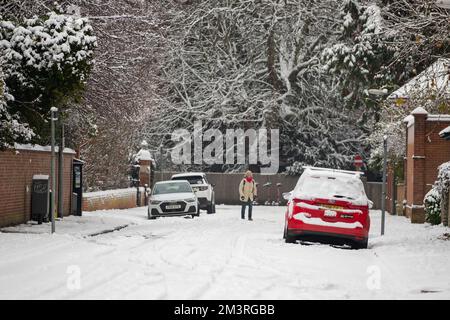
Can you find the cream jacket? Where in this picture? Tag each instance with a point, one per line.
(247, 190)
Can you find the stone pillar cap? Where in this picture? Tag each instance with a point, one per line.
(419, 110)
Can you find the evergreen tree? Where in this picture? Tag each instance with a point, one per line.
(46, 62)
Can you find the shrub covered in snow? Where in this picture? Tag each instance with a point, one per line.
(46, 61)
(442, 184)
(432, 202)
(442, 187)
(10, 128)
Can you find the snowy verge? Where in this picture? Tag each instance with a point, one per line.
(86, 225)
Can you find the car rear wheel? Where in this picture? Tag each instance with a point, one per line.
(361, 244)
(287, 237)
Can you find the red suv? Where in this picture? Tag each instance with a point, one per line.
(328, 204)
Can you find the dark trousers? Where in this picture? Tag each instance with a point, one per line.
(244, 204)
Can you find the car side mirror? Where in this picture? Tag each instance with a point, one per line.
(213, 184)
(287, 195)
(370, 204)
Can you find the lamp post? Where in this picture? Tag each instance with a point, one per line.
(161, 150)
(53, 112)
(380, 93)
(61, 169)
(383, 186)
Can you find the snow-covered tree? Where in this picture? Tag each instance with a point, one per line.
(46, 61)
(11, 130)
(359, 55)
(256, 64)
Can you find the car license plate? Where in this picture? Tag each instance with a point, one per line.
(329, 206)
(173, 206)
(330, 213)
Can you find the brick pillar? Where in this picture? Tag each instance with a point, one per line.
(417, 212)
(144, 172)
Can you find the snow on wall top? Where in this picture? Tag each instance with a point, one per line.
(111, 193)
(436, 77)
(36, 147)
(40, 177)
(409, 120)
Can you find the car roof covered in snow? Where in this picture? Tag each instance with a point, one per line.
(189, 174)
(171, 181)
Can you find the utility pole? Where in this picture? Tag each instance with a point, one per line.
(383, 186)
(53, 112)
(161, 162)
(61, 169)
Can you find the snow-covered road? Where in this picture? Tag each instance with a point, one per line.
(221, 257)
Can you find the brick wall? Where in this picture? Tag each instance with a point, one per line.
(112, 199)
(425, 152)
(17, 168)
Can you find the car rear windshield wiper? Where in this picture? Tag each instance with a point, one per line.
(341, 196)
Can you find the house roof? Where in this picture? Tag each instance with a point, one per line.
(436, 77)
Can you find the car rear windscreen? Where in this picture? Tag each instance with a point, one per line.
(175, 187)
(332, 187)
(191, 179)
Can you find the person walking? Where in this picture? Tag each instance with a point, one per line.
(247, 191)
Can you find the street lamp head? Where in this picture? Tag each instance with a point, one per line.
(377, 92)
(54, 109)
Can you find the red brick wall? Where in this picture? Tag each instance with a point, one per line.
(17, 168)
(425, 152)
(437, 151)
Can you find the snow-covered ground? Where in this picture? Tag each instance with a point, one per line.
(217, 257)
